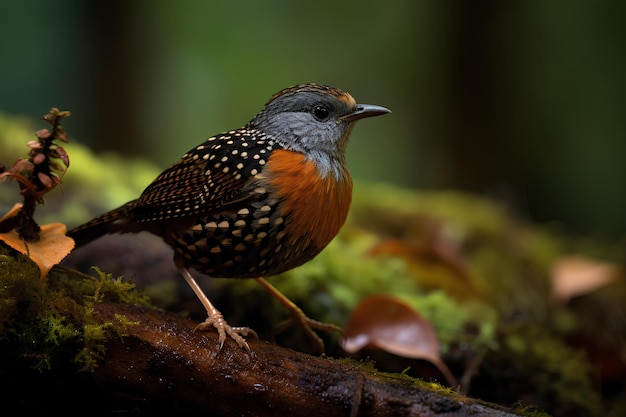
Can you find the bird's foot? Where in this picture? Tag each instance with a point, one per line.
(224, 329)
(214, 317)
(301, 320)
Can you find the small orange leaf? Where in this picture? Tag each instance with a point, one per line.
(51, 248)
(387, 323)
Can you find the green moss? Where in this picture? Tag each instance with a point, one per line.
(117, 290)
(552, 369)
(51, 322)
(21, 290)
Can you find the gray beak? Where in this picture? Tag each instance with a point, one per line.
(365, 110)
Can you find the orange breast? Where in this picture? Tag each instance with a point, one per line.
(316, 208)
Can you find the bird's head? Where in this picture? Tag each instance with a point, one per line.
(315, 120)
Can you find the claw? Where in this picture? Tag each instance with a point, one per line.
(299, 318)
(224, 329)
(307, 324)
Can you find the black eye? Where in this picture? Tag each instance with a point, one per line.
(321, 112)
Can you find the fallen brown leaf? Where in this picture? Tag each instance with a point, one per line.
(574, 275)
(387, 323)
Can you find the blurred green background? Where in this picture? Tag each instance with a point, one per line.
(524, 101)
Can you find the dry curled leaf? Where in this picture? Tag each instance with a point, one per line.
(387, 323)
(48, 251)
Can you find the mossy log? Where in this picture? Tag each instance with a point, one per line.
(162, 359)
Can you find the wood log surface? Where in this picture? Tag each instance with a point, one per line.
(162, 360)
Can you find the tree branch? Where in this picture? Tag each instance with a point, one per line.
(162, 359)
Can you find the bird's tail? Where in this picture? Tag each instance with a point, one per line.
(114, 221)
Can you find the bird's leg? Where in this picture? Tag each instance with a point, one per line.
(299, 318)
(215, 318)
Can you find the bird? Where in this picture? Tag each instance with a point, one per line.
(252, 202)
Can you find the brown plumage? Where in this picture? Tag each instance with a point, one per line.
(255, 201)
